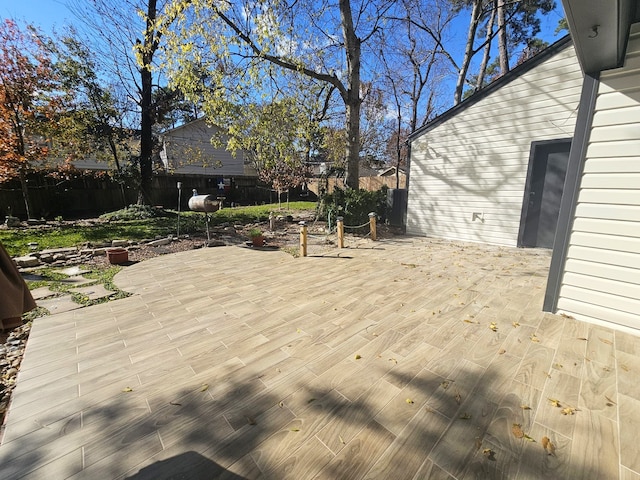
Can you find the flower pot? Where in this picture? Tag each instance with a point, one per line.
(258, 240)
(117, 255)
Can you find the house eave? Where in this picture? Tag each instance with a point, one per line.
(600, 30)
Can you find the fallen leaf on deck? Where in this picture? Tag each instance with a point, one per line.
(624, 367)
(445, 384)
(250, 420)
(127, 389)
(528, 438)
(582, 338)
(490, 454)
(493, 326)
(569, 411)
(610, 403)
(558, 366)
(341, 440)
(205, 387)
(525, 407)
(294, 429)
(393, 360)
(458, 398)
(554, 402)
(175, 403)
(534, 338)
(358, 357)
(502, 351)
(465, 416)
(409, 401)
(281, 404)
(604, 340)
(548, 446)
(311, 400)
(515, 324)
(516, 429)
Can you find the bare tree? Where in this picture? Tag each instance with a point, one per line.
(321, 40)
(127, 39)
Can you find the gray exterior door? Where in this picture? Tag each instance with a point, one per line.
(543, 193)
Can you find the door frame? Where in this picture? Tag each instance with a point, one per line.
(535, 146)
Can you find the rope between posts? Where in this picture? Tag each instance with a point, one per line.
(359, 226)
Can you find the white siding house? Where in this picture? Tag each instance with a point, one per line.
(188, 150)
(600, 280)
(471, 168)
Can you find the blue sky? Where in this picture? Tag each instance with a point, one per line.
(43, 13)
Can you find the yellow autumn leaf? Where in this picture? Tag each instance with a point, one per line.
(502, 351)
(515, 324)
(294, 429)
(204, 387)
(568, 411)
(490, 454)
(409, 401)
(358, 357)
(127, 389)
(525, 407)
(554, 402)
(528, 438)
(465, 416)
(534, 338)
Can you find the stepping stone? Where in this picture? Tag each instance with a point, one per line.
(59, 304)
(73, 271)
(77, 281)
(94, 292)
(42, 292)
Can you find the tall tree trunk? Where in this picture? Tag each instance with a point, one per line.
(149, 46)
(502, 38)
(487, 49)
(468, 51)
(352, 98)
(25, 192)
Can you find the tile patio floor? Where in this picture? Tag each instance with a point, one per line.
(377, 363)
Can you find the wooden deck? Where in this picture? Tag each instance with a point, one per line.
(405, 358)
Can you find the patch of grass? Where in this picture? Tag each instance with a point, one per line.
(54, 280)
(69, 235)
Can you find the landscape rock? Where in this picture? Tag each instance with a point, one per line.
(12, 221)
(27, 261)
(120, 243)
(158, 243)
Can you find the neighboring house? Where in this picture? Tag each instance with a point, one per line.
(187, 150)
(595, 267)
(471, 167)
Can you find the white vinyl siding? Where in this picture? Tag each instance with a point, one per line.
(476, 161)
(601, 279)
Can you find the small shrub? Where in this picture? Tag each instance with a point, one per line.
(134, 212)
(353, 205)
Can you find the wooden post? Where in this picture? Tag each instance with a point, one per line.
(340, 221)
(372, 225)
(303, 239)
